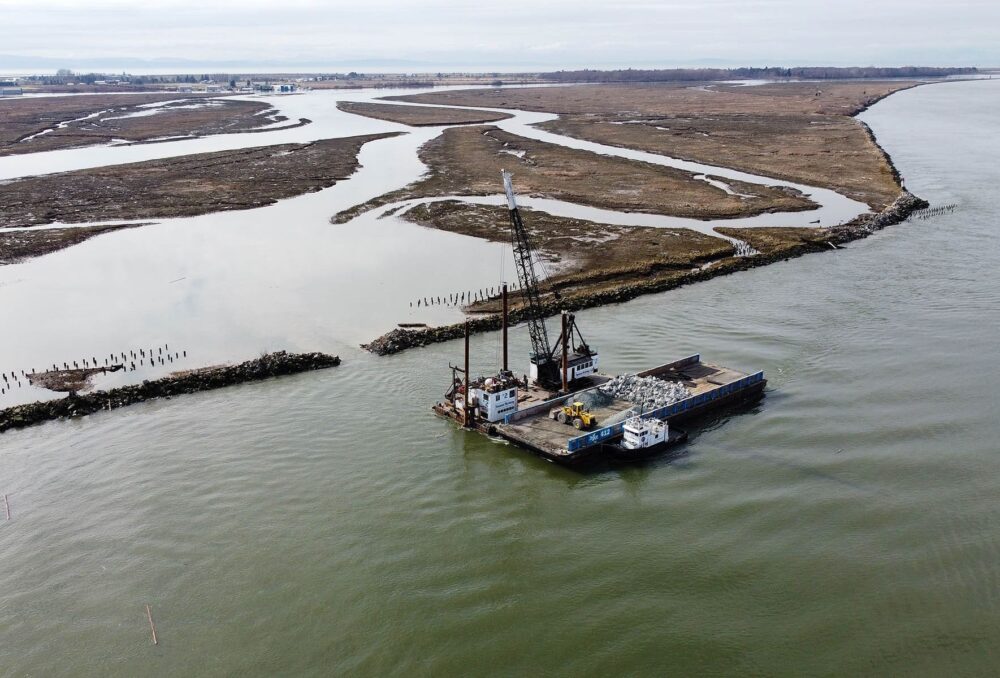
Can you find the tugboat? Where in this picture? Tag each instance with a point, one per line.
(644, 438)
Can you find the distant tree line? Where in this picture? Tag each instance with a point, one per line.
(65, 76)
(750, 73)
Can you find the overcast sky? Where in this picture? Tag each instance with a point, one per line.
(515, 33)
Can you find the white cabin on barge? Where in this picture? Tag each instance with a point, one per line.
(490, 399)
(639, 433)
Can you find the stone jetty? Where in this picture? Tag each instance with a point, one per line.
(269, 365)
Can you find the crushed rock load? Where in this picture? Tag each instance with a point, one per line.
(649, 393)
(268, 365)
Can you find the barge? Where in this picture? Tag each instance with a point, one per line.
(563, 385)
(521, 413)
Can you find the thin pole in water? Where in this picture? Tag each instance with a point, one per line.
(6, 507)
(152, 626)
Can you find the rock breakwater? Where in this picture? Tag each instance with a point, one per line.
(275, 364)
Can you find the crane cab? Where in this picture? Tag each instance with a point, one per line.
(579, 365)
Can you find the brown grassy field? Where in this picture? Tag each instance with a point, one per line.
(468, 160)
(21, 119)
(827, 151)
(588, 259)
(182, 186)
(575, 246)
(394, 80)
(420, 116)
(661, 99)
(801, 132)
(582, 256)
(772, 241)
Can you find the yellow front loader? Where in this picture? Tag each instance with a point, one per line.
(574, 414)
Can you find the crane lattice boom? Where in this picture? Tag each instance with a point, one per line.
(541, 349)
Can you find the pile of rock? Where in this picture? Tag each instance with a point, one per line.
(649, 393)
(900, 209)
(268, 365)
(401, 339)
(398, 340)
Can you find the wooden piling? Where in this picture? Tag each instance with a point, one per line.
(6, 507)
(152, 626)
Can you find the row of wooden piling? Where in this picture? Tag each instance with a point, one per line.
(159, 355)
(460, 298)
(935, 211)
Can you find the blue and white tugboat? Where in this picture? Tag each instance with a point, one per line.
(644, 438)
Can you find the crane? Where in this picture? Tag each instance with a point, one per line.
(545, 367)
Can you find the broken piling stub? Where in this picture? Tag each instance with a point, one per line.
(152, 626)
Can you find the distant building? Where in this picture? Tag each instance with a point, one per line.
(288, 87)
(185, 88)
(10, 91)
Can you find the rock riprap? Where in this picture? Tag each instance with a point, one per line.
(275, 364)
(649, 393)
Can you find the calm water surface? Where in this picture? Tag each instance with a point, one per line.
(327, 524)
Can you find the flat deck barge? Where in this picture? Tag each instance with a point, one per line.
(711, 387)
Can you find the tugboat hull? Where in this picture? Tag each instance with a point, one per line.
(617, 453)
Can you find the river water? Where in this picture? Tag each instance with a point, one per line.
(328, 524)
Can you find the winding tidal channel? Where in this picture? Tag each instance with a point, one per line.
(328, 524)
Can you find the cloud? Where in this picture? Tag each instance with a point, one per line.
(558, 32)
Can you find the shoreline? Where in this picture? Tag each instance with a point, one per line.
(277, 364)
(398, 340)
